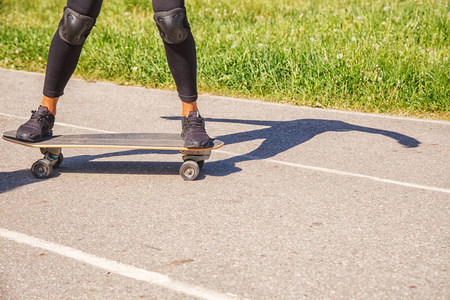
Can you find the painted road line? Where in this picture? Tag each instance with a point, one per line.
(61, 124)
(116, 267)
(338, 172)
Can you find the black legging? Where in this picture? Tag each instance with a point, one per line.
(63, 57)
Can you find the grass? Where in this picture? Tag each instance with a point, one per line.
(373, 56)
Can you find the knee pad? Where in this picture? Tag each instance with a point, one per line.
(173, 25)
(75, 27)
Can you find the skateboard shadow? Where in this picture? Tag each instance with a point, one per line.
(90, 164)
(280, 136)
(277, 136)
(12, 180)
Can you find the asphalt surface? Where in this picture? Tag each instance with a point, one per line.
(300, 203)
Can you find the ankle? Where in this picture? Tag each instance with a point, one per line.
(188, 107)
(50, 103)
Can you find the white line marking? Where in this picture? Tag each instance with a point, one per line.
(320, 169)
(343, 173)
(61, 124)
(13, 116)
(84, 128)
(115, 267)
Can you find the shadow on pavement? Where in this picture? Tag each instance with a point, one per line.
(278, 136)
(88, 164)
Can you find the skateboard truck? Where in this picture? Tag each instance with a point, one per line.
(193, 163)
(43, 167)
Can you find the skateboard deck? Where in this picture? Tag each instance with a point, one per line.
(193, 158)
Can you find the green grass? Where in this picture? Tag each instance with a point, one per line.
(373, 56)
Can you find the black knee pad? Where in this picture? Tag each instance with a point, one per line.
(173, 25)
(75, 27)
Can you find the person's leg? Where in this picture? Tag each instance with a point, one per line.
(76, 23)
(171, 20)
(65, 49)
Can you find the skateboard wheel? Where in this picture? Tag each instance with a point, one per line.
(59, 161)
(41, 169)
(189, 170)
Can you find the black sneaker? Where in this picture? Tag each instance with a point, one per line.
(193, 131)
(38, 126)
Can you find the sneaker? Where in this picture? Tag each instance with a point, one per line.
(38, 126)
(193, 131)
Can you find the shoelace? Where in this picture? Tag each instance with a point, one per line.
(194, 123)
(38, 115)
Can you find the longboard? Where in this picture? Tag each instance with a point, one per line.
(193, 158)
